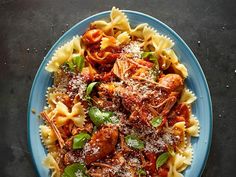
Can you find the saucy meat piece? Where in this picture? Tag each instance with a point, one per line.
(92, 36)
(173, 81)
(102, 143)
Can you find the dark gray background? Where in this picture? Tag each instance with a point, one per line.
(38, 24)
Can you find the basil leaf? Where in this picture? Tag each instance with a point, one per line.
(146, 54)
(80, 140)
(74, 169)
(134, 142)
(162, 159)
(150, 55)
(70, 65)
(89, 89)
(75, 64)
(78, 61)
(156, 121)
(141, 172)
(153, 59)
(99, 117)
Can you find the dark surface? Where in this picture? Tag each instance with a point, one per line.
(38, 24)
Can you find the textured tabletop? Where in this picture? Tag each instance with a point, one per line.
(29, 28)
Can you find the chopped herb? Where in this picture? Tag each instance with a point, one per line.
(75, 64)
(70, 66)
(146, 54)
(153, 59)
(80, 140)
(141, 172)
(162, 159)
(75, 170)
(89, 89)
(78, 62)
(99, 117)
(150, 55)
(156, 121)
(134, 142)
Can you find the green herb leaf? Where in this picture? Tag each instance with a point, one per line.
(134, 142)
(150, 55)
(99, 117)
(78, 61)
(146, 54)
(89, 89)
(70, 65)
(162, 159)
(156, 121)
(75, 168)
(80, 140)
(141, 172)
(153, 59)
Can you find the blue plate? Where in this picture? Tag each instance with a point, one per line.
(196, 81)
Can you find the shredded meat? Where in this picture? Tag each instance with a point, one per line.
(102, 143)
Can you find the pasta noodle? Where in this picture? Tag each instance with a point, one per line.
(107, 41)
(52, 164)
(118, 105)
(138, 31)
(194, 128)
(187, 97)
(180, 129)
(123, 38)
(62, 114)
(48, 137)
(64, 53)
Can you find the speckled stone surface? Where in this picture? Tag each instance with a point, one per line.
(36, 25)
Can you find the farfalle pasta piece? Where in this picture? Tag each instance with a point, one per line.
(154, 41)
(138, 30)
(123, 38)
(48, 137)
(161, 42)
(51, 163)
(54, 97)
(64, 54)
(169, 54)
(78, 46)
(179, 129)
(62, 114)
(194, 128)
(103, 25)
(119, 21)
(108, 42)
(148, 34)
(176, 165)
(187, 97)
(188, 154)
(181, 69)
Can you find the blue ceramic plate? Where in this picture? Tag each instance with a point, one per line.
(196, 82)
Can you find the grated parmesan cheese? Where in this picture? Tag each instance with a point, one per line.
(77, 86)
(133, 48)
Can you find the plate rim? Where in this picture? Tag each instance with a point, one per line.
(29, 142)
